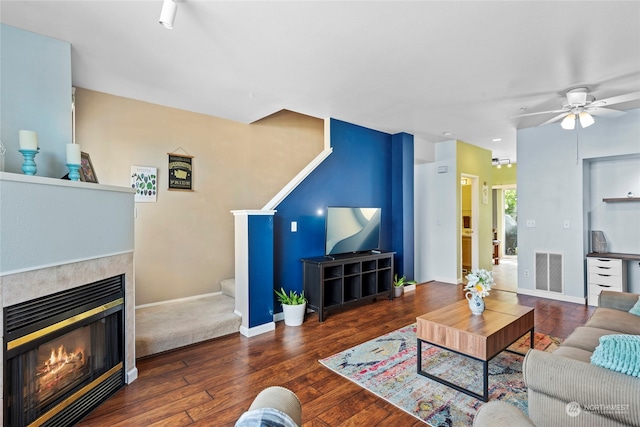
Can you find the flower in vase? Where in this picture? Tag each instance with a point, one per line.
(479, 282)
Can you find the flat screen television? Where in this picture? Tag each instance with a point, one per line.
(350, 230)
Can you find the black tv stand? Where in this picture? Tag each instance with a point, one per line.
(335, 281)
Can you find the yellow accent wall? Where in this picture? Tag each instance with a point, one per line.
(466, 200)
(476, 161)
(184, 243)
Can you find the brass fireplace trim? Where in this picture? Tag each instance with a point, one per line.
(75, 396)
(62, 324)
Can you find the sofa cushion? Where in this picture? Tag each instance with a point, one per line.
(636, 308)
(573, 353)
(586, 338)
(615, 320)
(620, 353)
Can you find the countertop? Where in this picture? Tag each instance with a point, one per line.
(614, 255)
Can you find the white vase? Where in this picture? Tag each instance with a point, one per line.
(476, 303)
(294, 314)
(397, 291)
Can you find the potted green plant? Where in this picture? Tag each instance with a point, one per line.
(399, 284)
(294, 306)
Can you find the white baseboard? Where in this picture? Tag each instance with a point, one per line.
(171, 301)
(257, 330)
(453, 281)
(551, 295)
(132, 375)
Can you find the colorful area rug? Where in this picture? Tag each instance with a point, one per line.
(386, 366)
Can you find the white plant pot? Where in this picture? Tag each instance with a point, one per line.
(294, 314)
(397, 291)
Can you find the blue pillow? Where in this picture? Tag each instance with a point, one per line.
(619, 353)
(636, 308)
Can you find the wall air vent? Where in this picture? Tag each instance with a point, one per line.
(549, 272)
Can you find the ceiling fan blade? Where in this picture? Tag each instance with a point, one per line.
(540, 112)
(632, 96)
(605, 112)
(555, 119)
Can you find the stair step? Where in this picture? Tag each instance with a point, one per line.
(229, 287)
(173, 325)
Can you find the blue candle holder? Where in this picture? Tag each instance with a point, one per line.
(29, 165)
(74, 175)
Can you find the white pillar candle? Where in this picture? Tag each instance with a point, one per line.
(28, 140)
(73, 154)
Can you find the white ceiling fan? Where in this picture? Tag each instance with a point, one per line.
(582, 106)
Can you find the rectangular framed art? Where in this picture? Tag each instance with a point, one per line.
(144, 180)
(180, 172)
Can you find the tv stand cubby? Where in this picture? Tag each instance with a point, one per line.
(333, 282)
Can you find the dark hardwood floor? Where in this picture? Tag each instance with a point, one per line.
(213, 383)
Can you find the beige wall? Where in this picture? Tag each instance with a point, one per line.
(184, 242)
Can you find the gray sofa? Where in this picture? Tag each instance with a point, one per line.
(565, 389)
(274, 406)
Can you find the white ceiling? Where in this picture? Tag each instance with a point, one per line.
(421, 67)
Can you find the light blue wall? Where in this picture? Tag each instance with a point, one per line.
(620, 222)
(35, 76)
(436, 218)
(554, 186)
(46, 222)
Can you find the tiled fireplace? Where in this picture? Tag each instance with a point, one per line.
(68, 350)
(68, 319)
(64, 353)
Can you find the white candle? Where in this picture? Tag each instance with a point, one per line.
(28, 140)
(73, 154)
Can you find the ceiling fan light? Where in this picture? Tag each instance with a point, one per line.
(586, 119)
(569, 122)
(168, 13)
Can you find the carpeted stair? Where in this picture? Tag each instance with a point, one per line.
(177, 324)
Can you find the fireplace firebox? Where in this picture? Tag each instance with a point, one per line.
(63, 354)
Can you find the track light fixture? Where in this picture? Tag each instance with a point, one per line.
(499, 162)
(168, 14)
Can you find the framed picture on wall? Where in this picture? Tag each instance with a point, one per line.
(180, 172)
(87, 173)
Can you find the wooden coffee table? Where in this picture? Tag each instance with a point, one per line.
(480, 337)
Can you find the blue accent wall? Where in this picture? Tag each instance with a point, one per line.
(358, 174)
(402, 199)
(261, 295)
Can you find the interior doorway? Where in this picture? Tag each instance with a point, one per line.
(505, 225)
(468, 223)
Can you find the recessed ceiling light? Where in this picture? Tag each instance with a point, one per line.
(447, 133)
(496, 139)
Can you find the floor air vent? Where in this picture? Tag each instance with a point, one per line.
(549, 272)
